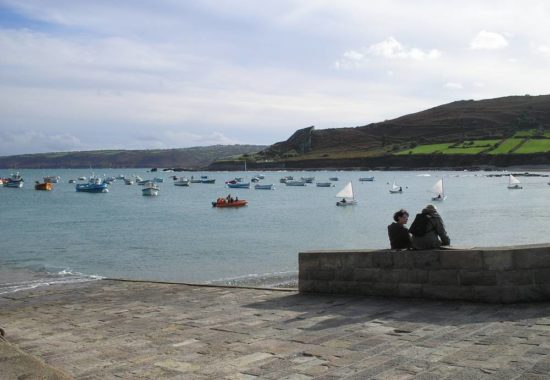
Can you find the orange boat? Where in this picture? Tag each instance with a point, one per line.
(222, 202)
(43, 186)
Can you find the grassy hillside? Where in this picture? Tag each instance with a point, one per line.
(190, 158)
(509, 125)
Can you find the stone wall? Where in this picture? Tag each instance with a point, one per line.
(495, 275)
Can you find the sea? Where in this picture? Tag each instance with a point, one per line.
(63, 236)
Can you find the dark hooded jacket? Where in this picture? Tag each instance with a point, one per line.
(399, 236)
(436, 236)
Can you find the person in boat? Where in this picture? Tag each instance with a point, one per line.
(400, 188)
(435, 234)
(343, 200)
(397, 232)
(236, 199)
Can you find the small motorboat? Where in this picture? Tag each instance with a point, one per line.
(95, 185)
(295, 183)
(48, 186)
(183, 181)
(150, 189)
(366, 179)
(208, 180)
(52, 179)
(224, 202)
(15, 180)
(324, 184)
(333, 179)
(264, 187)
(234, 184)
(286, 179)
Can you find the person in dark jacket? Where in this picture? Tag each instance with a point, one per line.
(435, 235)
(398, 233)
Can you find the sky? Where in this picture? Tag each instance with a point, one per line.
(84, 75)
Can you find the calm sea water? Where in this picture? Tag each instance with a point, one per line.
(65, 236)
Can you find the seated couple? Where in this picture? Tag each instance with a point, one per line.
(426, 232)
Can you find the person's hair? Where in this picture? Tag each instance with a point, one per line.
(399, 214)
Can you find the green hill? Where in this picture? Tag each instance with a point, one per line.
(189, 158)
(464, 133)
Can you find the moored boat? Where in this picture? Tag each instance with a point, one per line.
(15, 181)
(52, 179)
(95, 185)
(366, 179)
(324, 184)
(295, 183)
(48, 186)
(264, 187)
(348, 198)
(150, 189)
(223, 203)
(183, 181)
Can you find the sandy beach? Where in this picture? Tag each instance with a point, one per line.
(113, 329)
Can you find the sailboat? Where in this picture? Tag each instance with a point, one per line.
(347, 196)
(437, 189)
(514, 183)
(395, 188)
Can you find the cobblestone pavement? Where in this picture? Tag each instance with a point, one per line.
(132, 330)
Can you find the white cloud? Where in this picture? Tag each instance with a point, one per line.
(454, 85)
(390, 49)
(488, 41)
(393, 49)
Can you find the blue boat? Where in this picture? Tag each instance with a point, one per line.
(15, 180)
(366, 179)
(238, 185)
(96, 185)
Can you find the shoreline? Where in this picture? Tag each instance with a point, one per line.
(107, 329)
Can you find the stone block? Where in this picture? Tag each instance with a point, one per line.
(358, 260)
(542, 276)
(331, 261)
(402, 259)
(515, 277)
(393, 275)
(417, 276)
(345, 287)
(461, 259)
(344, 274)
(492, 294)
(529, 258)
(382, 259)
(485, 278)
(447, 292)
(497, 260)
(385, 289)
(529, 293)
(366, 274)
(410, 290)
(322, 274)
(426, 259)
(443, 277)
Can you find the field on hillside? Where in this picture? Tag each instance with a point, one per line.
(534, 146)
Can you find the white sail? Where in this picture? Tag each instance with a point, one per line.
(394, 187)
(513, 180)
(346, 192)
(438, 188)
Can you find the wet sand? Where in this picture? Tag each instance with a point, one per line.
(141, 330)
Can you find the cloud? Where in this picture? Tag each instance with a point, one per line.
(454, 85)
(393, 49)
(488, 41)
(389, 49)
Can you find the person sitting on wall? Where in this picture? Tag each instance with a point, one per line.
(434, 234)
(398, 233)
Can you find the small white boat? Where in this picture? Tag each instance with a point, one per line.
(514, 183)
(128, 181)
(182, 181)
(150, 189)
(286, 179)
(324, 184)
(158, 180)
(437, 190)
(347, 196)
(295, 183)
(15, 181)
(396, 189)
(264, 187)
(82, 178)
(52, 179)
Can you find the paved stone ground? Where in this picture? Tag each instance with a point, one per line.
(111, 329)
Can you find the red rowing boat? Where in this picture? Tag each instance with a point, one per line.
(222, 202)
